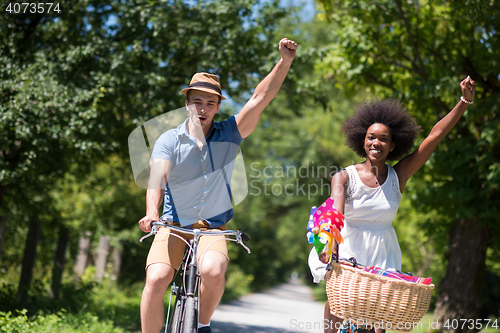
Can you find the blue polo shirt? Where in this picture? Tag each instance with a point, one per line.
(198, 186)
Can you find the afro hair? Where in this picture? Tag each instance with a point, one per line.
(389, 112)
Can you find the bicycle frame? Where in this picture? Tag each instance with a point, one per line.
(184, 317)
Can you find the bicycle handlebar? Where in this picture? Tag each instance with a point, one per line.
(240, 235)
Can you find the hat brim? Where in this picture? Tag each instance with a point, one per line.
(208, 90)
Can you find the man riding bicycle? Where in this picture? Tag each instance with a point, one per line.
(193, 158)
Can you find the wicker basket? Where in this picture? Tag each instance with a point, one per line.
(375, 300)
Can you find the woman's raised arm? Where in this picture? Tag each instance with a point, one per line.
(411, 163)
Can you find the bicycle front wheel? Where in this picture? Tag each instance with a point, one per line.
(174, 324)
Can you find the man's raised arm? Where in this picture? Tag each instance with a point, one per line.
(266, 90)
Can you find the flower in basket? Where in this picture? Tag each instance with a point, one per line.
(324, 225)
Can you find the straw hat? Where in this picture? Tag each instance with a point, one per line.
(205, 82)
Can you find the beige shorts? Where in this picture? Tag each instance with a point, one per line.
(169, 249)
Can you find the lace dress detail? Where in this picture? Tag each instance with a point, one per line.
(352, 186)
(395, 187)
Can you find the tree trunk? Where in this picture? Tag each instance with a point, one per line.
(3, 225)
(59, 262)
(102, 254)
(3, 221)
(29, 257)
(460, 289)
(117, 261)
(83, 253)
(2, 193)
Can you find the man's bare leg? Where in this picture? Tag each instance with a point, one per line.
(158, 277)
(213, 268)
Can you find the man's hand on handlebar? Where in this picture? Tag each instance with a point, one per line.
(145, 222)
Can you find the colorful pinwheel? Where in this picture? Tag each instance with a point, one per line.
(324, 226)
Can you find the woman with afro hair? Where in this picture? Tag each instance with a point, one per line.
(369, 193)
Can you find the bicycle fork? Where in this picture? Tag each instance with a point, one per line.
(191, 313)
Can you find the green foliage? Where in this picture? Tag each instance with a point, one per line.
(59, 322)
(422, 252)
(107, 305)
(72, 88)
(418, 52)
(49, 115)
(237, 282)
(76, 86)
(75, 297)
(103, 202)
(118, 304)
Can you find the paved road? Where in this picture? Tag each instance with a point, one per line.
(288, 308)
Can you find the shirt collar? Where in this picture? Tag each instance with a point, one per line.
(182, 129)
(215, 125)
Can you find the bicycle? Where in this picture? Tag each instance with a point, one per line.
(184, 318)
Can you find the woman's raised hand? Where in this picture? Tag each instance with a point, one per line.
(468, 86)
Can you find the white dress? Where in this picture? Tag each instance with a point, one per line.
(368, 232)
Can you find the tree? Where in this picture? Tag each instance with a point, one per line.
(418, 51)
(75, 83)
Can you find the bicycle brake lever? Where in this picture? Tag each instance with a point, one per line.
(245, 247)
(239, 240)
(146, 236)
(242, 237)
(154, 231)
